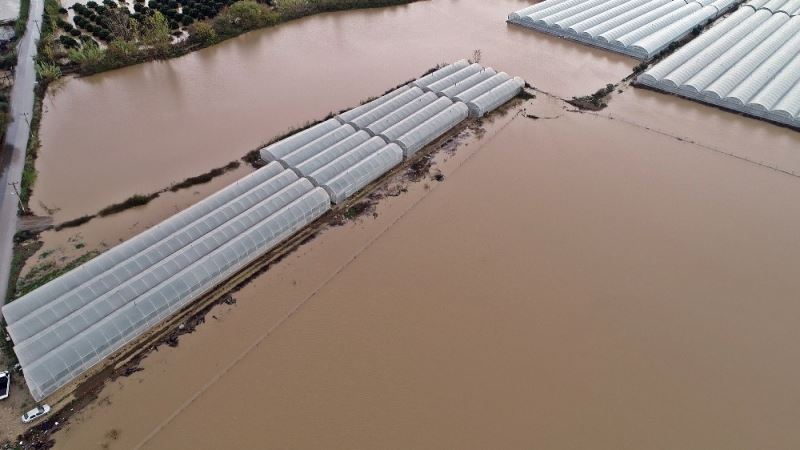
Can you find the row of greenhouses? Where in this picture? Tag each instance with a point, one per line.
(65, 327)
(749, 63)
(638, 28)
(344, 154)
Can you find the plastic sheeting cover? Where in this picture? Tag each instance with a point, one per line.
(441, 73)
(482, 87)
(749, 63)
(151, 238)
(638, 28)
(359, 110)
(339, 165)
(494, 98)
(432, 128)
(297, 140)
(416, 119)
(364, 172)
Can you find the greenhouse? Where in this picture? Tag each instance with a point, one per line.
(454, 78)
(467, 83)
(637, 28)
(80, 332)
(18, 312)
(295, 141)
(393, 118)
(364, 172)
(277, 152)
(307, 166)
(748, 63)
(439, 74)
(385, 108)
(482, 88)
(416, 119)
(321, 176)
(369, 106)
(432, 128)
(495, 97)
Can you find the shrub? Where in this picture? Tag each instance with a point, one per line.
(202, 33)
(75, 32)
(68, 42)
(47, 72)
(89, 57)
(242, 16)
(122, 52)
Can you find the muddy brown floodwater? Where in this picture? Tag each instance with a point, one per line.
(611, 288)
(141, 128)
(622, 280)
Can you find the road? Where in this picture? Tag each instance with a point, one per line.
(17, 138)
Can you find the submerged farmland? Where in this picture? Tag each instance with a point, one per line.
(748, 63)
(74, 322)
(637, 28)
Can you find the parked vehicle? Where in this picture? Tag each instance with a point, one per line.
(5, 384)
(35, 413)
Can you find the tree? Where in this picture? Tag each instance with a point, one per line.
(121, 26)
(202, 33)
(155, 33)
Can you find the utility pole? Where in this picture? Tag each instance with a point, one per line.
(25, 115)
(13, 184)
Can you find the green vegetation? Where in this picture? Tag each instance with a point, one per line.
(29, 170)
(43, 273)
(22, 19)
(147, 33)
(593, 102)
(131, 202)
(204, 178)
(74, 222)
(23, 249)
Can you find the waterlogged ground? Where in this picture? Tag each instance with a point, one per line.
(611, 288)
(616, 280)
(141, 128)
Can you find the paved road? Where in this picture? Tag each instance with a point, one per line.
(17, 138)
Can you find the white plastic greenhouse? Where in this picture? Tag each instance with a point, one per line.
(65, 327)
(339, 165)
(432, 128)
(385, 108)
(482, 87)
(359, 110)
(437, 75)
(401, 113)
(364, 172)
(83, 326)
(416, 119)
(452, 79)
(749, 63)
(637, 28)
(495, 97)
(311, 148)
(469, 82)
(308, 166)
(295, 141)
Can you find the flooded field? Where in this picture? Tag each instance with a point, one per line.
(139, 129)
(615, 288)
(615, 280)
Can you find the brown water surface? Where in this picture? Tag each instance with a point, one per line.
(576, 282)
(138, 129)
